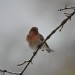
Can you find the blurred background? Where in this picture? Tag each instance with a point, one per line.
(16, 19)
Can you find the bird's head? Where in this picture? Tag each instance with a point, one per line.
(33, 30)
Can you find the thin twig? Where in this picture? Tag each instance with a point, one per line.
(5, 71)
(66, 8)
(24, 63)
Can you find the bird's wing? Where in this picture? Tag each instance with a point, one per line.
(46, 45)
(41, 37)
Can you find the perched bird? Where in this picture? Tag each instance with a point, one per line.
(34, 39)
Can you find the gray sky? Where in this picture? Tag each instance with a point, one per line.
(16, 19)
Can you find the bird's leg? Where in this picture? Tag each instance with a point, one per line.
(34, 52)
(42, 50)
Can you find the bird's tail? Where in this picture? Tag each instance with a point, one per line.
(47, 48)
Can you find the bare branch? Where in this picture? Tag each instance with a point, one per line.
(67, 8)
(48, 37)
(5, 71)
(24, 63)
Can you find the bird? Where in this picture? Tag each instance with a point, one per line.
(34, 39)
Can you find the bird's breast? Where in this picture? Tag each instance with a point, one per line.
(34, 41)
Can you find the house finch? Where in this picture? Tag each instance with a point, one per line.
(34, 39)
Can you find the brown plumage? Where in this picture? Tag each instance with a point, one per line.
(34, 39)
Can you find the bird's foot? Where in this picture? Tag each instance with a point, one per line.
(42, 50)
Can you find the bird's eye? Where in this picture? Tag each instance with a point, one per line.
(32, 32)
